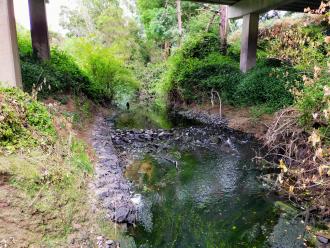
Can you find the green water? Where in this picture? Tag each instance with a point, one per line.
(210, 199)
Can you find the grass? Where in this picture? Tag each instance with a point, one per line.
(51, 174)
(55, 185)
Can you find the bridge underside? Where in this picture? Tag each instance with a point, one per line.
(250, 10)
(294, 6)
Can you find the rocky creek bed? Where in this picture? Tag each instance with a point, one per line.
(115, 148)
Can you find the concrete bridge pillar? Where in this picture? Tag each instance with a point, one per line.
(10, 70)
(249, 41)
(39, 29)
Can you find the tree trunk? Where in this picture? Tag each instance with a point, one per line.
(167, 49)
(179, 15)
(223, 28)
(207, 29)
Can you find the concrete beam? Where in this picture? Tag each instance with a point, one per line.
(249, 41)
(10, 69)
(39, 29)
(245, 7)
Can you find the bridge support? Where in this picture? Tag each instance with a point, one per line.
(249, 41)
(10, 70)
(39, 29)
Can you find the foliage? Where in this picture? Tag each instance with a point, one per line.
(267, 85)
(59, 75)
(104, 24)
(298, 139)
(24, 121)
(312, 101)
(110, 79)
(299, 41)
(198, 67)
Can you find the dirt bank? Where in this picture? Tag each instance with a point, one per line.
(240, 119)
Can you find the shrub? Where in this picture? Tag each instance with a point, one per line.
(109, 77)
(300, 41)
(59, 75)
(267, 85)
(198, 67)
(24, 121)
(313, 100)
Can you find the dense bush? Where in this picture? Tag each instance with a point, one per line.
(23, 121)
(110, 79)
(60, 74)
(89, 69)
(298, 40)
(313, 101)
(268, 85)
(198, 67)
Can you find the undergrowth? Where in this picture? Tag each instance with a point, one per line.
(50, 168)
(25, 122)
(82, 68)
(195, 71)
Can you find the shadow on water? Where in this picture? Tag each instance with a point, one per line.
(210, 198)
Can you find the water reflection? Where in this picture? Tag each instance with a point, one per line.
(210, 199)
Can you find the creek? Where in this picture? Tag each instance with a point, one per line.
(196, 186)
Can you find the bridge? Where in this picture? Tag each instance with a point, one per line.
(249, 10)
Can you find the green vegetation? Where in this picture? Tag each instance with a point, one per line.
(24, 121)
(198, 67)
(110, 79)
(60, 75)
(91, 70)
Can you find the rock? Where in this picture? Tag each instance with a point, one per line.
(322, 239)
(121, 214)
(109, 243)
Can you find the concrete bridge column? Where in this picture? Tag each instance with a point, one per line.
(249, 41)
(10, 70)
(39, 29)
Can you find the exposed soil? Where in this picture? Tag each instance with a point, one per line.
(239, 119)
(18, 227)
(21, 225)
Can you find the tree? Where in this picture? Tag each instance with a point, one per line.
(179, 14)
(103, 22)
(223, 28)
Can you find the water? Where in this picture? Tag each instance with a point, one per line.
(210, 198)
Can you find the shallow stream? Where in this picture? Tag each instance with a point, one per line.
(200, 196)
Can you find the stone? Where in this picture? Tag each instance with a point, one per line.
(323, 240)
(109, 242)
(121, 214)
